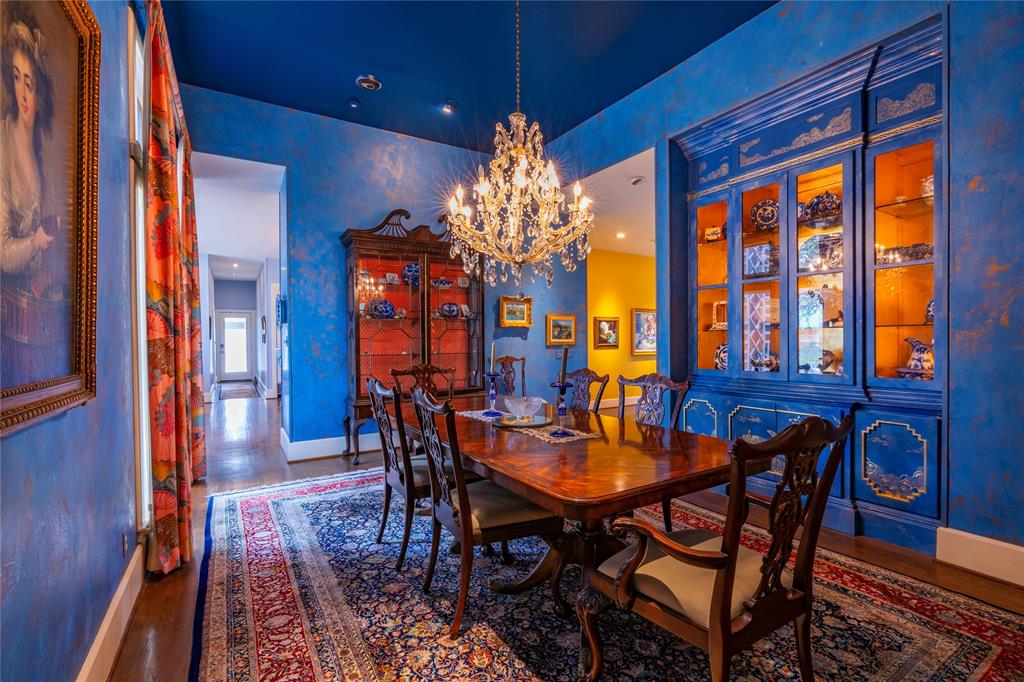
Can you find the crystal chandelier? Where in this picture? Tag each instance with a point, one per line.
(521, 211)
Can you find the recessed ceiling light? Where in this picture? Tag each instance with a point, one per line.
(449, 106)
(369, 82)
(636, 180)
(354, 103)
(234, 265)
(620, 235)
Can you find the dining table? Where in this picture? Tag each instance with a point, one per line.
(623, 466)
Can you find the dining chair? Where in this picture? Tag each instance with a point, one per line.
(475, 513)
(582, 380)
(655, 392)
(404, 475)
(507, 371)
(710, 589)
(424, 376)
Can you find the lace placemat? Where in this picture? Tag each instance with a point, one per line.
(553, 433)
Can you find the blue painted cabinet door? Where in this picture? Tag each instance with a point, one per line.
(788, 414)
(896, 461)
(702, 414)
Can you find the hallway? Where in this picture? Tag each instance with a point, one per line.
(243, 451)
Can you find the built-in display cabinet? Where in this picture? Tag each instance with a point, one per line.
(817, 251)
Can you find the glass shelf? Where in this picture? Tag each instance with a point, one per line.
(760, 243)
(910, 208)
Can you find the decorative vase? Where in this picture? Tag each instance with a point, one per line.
(411, 274)
(721, 357)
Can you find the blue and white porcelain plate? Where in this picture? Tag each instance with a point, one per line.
(411, 274)
(722, 356)
(449, 310)
(765, 215)
(382, 309)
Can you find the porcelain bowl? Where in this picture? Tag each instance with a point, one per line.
(524, 406)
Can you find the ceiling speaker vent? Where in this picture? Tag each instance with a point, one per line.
(369, 82)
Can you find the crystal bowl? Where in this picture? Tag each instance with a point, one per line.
(525, 406)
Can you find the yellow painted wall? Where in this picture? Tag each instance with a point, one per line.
(617, 283)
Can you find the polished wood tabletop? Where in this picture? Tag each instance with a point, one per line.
(627, 467)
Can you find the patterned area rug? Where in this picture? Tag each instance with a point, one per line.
(237, 389)
(294, 587)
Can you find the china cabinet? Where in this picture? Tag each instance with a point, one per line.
(817, 251)
(409, 303)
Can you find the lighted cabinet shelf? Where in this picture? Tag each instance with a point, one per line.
(409, 303)
(817, 247)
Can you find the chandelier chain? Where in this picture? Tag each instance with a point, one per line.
(517, 55)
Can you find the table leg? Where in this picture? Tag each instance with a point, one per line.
(562, 550)
(590, 603)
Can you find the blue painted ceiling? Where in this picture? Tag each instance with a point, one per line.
(577, 57)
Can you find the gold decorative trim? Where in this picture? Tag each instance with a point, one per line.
(837, 125)
(842, 145)
(905, 128)
(864, 460)
(921, 97)
(745, 407)
(714, 412)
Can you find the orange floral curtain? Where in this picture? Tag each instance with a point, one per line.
(172, 313)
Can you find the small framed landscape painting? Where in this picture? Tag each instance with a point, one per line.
(49, 137)
(606, 332)
(645, 331)
(515, 311)
(561, 330)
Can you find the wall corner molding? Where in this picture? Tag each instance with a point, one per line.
(299, 450)
(99, 662)
(979, 554)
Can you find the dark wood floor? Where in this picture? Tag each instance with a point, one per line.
(243, 450)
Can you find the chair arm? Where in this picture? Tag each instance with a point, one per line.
(695, 557)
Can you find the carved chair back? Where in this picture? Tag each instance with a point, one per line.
(655, 391)
(424, 376)
(507, 374)
(579, 395)
(449, 497)
(799, 500)
(397, 460)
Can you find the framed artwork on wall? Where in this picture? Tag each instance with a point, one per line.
(49, 159)
(515, 311)
(645, 331)
(606, 332)
(561, 330)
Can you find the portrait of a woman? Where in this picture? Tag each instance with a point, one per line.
(35, 257)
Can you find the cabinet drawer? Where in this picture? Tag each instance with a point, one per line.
(896, 458)
(702, 413)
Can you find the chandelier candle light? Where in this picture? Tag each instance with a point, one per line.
(520, 208)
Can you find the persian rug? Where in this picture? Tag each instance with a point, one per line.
(293, 586)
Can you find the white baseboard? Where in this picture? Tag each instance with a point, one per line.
(614, 402)
(265, 393)
(296, 451)
(99, 662)
(207, 397)
(979, 554)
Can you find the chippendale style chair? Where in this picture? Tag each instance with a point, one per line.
(475, 513)
(424, 376)
(507, 372)
(711, 590)
(579, 395)
(655, 390)
(407, 476)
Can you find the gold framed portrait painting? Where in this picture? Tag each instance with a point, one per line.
(515, 311)
(561, 330)
(606, 332)
(49, 127)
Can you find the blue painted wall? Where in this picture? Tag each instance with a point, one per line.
(234, 295)
(986, 138)
(68, 489)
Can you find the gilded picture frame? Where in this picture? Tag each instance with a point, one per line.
(515, 311)
(561, 330)
(606, 332)
(48, 342)
(644, 331)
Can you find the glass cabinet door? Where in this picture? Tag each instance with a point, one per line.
(387, 296)
(760, 244)
(902, 268)
(819, 255)
(456, 324)
(712, 286)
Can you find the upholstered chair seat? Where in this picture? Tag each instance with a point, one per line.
(684, 588)
(493, 506)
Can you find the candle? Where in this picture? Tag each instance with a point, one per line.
(565, 356)
(493, 345)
